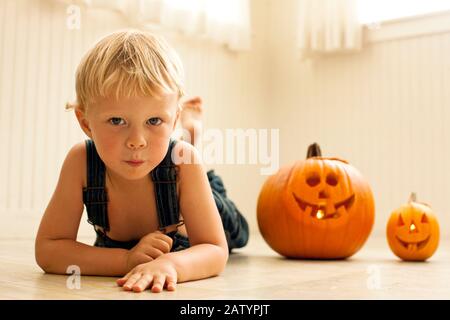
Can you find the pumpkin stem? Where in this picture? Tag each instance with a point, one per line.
(313, 151)
(413, 197)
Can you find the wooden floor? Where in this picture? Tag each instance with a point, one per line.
(254, 272)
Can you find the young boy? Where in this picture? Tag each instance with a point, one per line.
(142, 203)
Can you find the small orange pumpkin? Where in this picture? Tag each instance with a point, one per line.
(320, 208)
(413, 231)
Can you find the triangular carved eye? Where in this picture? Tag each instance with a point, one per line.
(400, 221)
(424, 218)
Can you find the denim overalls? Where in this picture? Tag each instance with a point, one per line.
(164, 177)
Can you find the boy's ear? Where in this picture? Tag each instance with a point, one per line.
(177, 116)
(84, 123)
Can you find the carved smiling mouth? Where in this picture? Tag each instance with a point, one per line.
(413, 245)
(320, 211)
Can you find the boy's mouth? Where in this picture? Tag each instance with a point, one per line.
(135, 163)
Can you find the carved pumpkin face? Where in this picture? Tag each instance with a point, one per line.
(319, 208)
(413, 232)
(322, 190)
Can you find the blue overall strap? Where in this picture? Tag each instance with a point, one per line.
(164, 177)
(95, 197)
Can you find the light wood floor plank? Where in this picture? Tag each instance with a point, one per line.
(255, 272)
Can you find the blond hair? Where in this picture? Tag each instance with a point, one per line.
(126, 64)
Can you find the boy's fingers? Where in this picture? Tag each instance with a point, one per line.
(153, 252)
(164, 237)
(158, 235)
(122, 280)
(162, 245)
(145, 258)
(158, 283)
(143, 283)
(170, 278)
(171, 283)
(131, 281)
(171, 286)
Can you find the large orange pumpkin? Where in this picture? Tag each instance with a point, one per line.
(413, 231)
(321, 208)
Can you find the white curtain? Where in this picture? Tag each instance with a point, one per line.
(328, 26)
(223, 21)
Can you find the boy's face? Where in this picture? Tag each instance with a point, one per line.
(131, 134)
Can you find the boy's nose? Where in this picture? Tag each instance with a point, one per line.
(136, 143)
(132, 145)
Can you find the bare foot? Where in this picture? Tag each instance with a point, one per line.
(191, 119)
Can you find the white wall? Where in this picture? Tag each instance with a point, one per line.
(386, 110)
(38, 58)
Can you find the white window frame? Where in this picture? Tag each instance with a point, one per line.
(408, 27)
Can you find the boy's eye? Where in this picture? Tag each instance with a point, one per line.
(116, 121)
(154, 121)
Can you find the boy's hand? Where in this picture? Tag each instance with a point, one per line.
(156, 275)
(148, 248)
